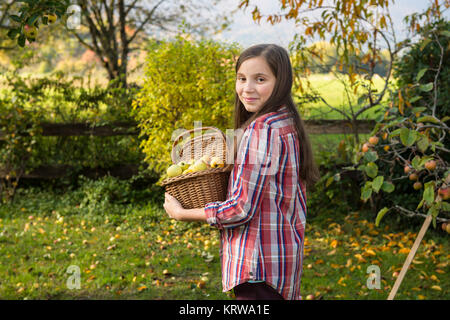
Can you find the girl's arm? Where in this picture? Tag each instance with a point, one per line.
(176, 211)
(192, 214)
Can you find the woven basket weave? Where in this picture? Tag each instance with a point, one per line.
(196, 189)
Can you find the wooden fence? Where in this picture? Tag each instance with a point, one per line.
(130, 128)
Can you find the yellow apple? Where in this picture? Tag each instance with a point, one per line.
(206, 159)
(51, 17)
(174, 170)
(30, 31)
(217, 162)
(183, 164)
(199, 165)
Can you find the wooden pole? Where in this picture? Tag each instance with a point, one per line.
(410, 257)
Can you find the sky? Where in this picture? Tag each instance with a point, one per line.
(247, 32)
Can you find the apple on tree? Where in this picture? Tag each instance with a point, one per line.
(30, 32)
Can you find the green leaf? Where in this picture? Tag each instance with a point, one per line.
(21, 40)
(420, 204)
(423, 144)
(380, 215)
(377, 183)
(428, 193)
(387, 186)
(366, 191)
(416, 162)
(434, 210)
(371, 169)
(445, 33)
(15, 18)
(426, 87)
(446, 206)
(370, 156)
(33, 19)
(420, 74)
(417, 109)
(424, 43)
(407, 136)
(428, 119)
(329, 181)
(12, 34)
(395, 133)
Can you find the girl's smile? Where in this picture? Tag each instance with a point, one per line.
(254, 83)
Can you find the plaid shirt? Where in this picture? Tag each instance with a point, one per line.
(262, 221)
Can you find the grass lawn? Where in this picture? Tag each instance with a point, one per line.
(333, 91)
(133, 251)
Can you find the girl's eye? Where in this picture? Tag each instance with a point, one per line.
(260, 79)
(241, 79)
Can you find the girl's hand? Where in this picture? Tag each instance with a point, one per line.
(173, 207)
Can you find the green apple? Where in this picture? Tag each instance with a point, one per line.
(174, 170)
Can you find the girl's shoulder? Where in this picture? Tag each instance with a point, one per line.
(276, 119)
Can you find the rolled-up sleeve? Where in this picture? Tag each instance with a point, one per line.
(258, 159)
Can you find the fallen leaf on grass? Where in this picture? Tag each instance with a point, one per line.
(319, 261)
(404, 250)
(438, 288)
(334, 243)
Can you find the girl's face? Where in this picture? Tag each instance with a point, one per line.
(254, 83)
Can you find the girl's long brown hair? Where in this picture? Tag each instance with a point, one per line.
(278, 60)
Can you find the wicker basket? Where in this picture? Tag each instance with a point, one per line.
(196, 189)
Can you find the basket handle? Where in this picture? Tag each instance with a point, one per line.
(176, 141)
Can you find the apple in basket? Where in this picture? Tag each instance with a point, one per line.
(199, 165)
(174, 170)
(216, 162)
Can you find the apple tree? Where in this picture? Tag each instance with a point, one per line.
(408, 152)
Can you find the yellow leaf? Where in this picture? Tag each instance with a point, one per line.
(433, 277)
(319, 261)
(436, 288)
(400, 102)
(142, 288)
(334, 243)
(371, 252)
(404, 250)
(421, 297)
(331, 252)
(360, 258)
(440, 271)
(349, 263)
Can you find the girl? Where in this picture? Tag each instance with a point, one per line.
(262, 221)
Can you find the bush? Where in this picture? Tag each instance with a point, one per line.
(186, 81)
